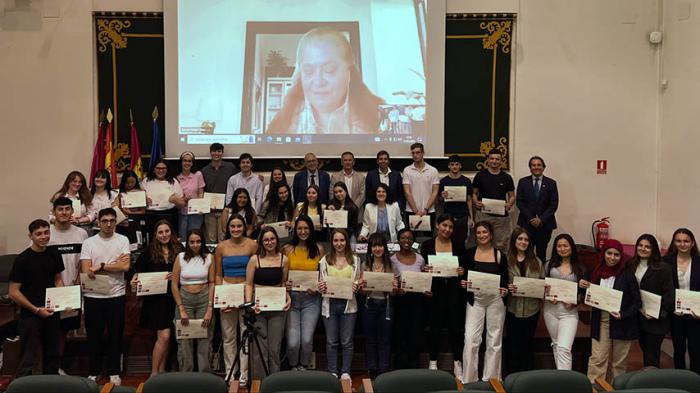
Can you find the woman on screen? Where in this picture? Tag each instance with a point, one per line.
(328, 95)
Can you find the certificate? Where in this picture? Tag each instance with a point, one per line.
(77, 208)
(193, 329)
(316, 220)
(416, 282)
(339, 288)
(133, 199)
(229, 295)
(380, 282)
(419, 223)
(152, 284)
(270, 298)
(651, 303)
(561, 290)
(360, 248)
(335, 218)
(606, 299)
(121, 217)
(456, 193)
(687, 302)
(394, 247)
(494, 206)
(280, 228)
(61, 298)
(529, 287)
(217, 200)
(100, 284)
(443, 265)
(198, 206)
(303, 280)
(483, 283)
(160, 198)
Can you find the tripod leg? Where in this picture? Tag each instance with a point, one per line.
(263, 359)
(237, 359)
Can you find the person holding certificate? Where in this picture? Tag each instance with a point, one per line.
(522, 313)
(192, 184)
(231, 260)
(131, 226)
(277, 177)
(341, 201)
(684, 259)
(267, 268)
(377, 314)
(34, 270)
(75, 188)
(655, 276)
(339, 314)
(278, 207)
(561, 318)
(408, 306)
(613, 332)
(484, 311)
(312, 207)
(192, 285)
(383, 216)
(447, 301)
(102, 194)
(216, 175)
(163, 196)
(240, 204)
(459, 206)
(303, 254)
(158, 311)
(496, 186)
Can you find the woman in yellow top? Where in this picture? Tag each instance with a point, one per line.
(303, 253)
(314, 209)
(339, 313)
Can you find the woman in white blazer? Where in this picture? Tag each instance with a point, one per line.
(383, 217)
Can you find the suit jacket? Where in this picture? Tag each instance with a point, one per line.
(659, 282)
(672, 260)
(395, 187)
(369, 220)
(626, 327)
(300, 185)
(544, 206)
(357, 193)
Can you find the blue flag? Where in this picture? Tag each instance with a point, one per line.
(156, 149)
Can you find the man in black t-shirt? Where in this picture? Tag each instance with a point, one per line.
(461, 210)
(34, 270)
(496, 185)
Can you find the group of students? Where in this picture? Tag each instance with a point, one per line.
(393, 323)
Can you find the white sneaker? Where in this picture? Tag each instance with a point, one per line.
(345, 376)
(432, 365)
(62, 372)
(458, 369)
(334, 374)
(301, 368)
(92, 378)
(115, 380)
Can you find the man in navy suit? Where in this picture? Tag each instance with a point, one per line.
(384, 174)
(537, 198)
(312, 175)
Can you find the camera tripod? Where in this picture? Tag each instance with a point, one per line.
(243, 340)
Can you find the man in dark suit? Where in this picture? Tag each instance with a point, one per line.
(537, 198)
(384, 174)
(311, 175)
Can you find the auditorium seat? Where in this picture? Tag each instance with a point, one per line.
(6, 262)
(410, 381)
(658, 378)
(544, 381)
(307, 381)
(53, 384)
(183, 382)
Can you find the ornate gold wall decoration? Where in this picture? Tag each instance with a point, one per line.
(122, 157)
(486, 147)
(499, 33)
(298, 165)
(110, 32)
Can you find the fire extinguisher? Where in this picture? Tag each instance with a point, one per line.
(600, 231)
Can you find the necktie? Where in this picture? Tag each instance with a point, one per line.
(313, 179)
(537, 188)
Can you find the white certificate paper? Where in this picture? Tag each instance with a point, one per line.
(651, 303)
(687, 301)
(494, 206)
(606, 299)
(133, 199)
(483, 283)
(280, 228)
(229, 295)
(562, 290)
(419, 223)
(152, 284)
(303, 280)
(160, 198)
(121, 217)
(416, 282)
(443, 265)
(77, 207)
(216, 200)
(394, 247)
(335, 218)
(59, 299)
(529, 287)
(456, 193)
(338, 288)
(360, 248)
(99, 285)
(193, 330)
(380, 282)
(316, 220)
(198, 206)
(270, 298)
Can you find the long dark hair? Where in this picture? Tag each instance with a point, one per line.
(556, 260)
(103, 173)
(348, 203)
(84, 193)
(203, 251)
(273, 201)
(261, 251)
(377, 239)
(531, 261)
(305, 205)
(168, 172)
(274, 184)
(654, 262)
(235, 216)
(247, 208)
(311, 242)
(156, 249)
(672, 249)
(125, 176)
(389, 199)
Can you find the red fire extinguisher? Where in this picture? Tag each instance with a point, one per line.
(600, 231)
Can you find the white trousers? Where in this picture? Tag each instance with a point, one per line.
(561, 325)
(490, 312)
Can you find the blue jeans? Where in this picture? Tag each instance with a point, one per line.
(340, 331)
(189, 221)
(377, 325)
(301, 325)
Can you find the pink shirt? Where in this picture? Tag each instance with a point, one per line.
(191, 184)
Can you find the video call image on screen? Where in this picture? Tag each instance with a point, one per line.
(301, 71)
